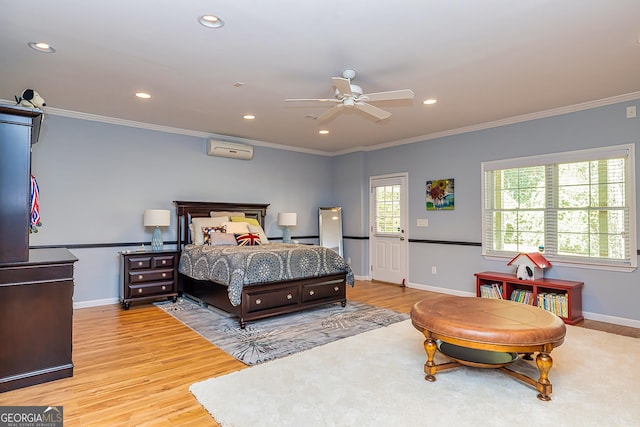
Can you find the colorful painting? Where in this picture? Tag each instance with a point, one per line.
(440, 194)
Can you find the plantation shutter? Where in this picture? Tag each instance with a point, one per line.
(576, 207)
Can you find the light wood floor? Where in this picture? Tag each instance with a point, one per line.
(134, 368)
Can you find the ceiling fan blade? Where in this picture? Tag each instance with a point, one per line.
(311, 99)
(376, 112)
(390, 95)
(330, 113)
(343, 86)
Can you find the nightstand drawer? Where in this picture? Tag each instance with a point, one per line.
(162, 261)
(150, 276)
(139, 263)
(146, 289)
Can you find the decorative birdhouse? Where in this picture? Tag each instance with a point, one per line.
(530, 266)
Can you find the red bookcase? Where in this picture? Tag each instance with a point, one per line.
(563, 297)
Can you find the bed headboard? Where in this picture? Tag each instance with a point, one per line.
(187, 210)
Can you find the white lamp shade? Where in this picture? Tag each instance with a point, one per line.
(287, 218)
(157, 218)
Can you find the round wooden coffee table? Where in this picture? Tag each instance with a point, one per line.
(488, 333)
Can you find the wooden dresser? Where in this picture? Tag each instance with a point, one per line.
(36, 316)
(36, 285)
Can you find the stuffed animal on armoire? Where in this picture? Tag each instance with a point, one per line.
(30, 98)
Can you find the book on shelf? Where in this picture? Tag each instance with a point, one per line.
(492, 290)
(557, 304)
(522, 295)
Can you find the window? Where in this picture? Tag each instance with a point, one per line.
(576, 207)
(387, 209)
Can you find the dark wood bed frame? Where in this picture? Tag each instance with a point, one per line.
(257, 301)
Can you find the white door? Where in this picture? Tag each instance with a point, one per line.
(387, 237)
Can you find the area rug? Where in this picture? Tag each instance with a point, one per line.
(272, 338)
(376, 379)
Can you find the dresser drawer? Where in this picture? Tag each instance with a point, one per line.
(163, 261)
(146, 289)
(319, 291)
(280, 298)
(139, 263)
(150, 276)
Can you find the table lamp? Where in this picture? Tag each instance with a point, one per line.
(157, 218)
(285, 220)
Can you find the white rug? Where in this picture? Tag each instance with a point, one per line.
(376, 379)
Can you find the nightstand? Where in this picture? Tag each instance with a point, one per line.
(148, 275)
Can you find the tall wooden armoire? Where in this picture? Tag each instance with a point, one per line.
(36, 285)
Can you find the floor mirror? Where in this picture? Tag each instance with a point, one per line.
(330, 228)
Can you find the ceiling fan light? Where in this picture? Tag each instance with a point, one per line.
(349, 102)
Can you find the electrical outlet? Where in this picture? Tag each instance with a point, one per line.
(631, 112)
(434, 270)
(348, 260)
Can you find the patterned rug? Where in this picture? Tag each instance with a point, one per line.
(272, 338)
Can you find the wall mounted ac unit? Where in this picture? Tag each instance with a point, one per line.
(232, 150)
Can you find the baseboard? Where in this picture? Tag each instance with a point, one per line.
(611, 319)
(587, 315)
(95, 303)
(440, 290)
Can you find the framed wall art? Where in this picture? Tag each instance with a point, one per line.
(440, 195)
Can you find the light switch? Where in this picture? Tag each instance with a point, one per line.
(423, 222)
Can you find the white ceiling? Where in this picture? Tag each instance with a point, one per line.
(484, 60)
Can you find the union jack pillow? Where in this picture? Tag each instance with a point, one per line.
(248, 239)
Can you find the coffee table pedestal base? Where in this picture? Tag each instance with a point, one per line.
(495, 356)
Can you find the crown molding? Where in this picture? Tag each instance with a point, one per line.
(482, 126)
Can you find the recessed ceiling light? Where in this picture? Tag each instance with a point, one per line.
(143, 95)
(41, 47)
(248, 117)
(429, 101)
(323, 132)
(210, 21)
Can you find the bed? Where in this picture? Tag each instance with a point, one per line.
(254, 282)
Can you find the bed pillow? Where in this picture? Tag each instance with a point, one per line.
(248, 239)
(256, 229)
(251, 221)
(222, 239)
(197, 236)
(216, 214)
(236, 227)
(208, 231)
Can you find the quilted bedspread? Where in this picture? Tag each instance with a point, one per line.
(239, 266)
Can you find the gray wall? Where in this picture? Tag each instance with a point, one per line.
(608, 296)
(96, 179)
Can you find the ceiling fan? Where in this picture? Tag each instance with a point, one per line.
(348, 95)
